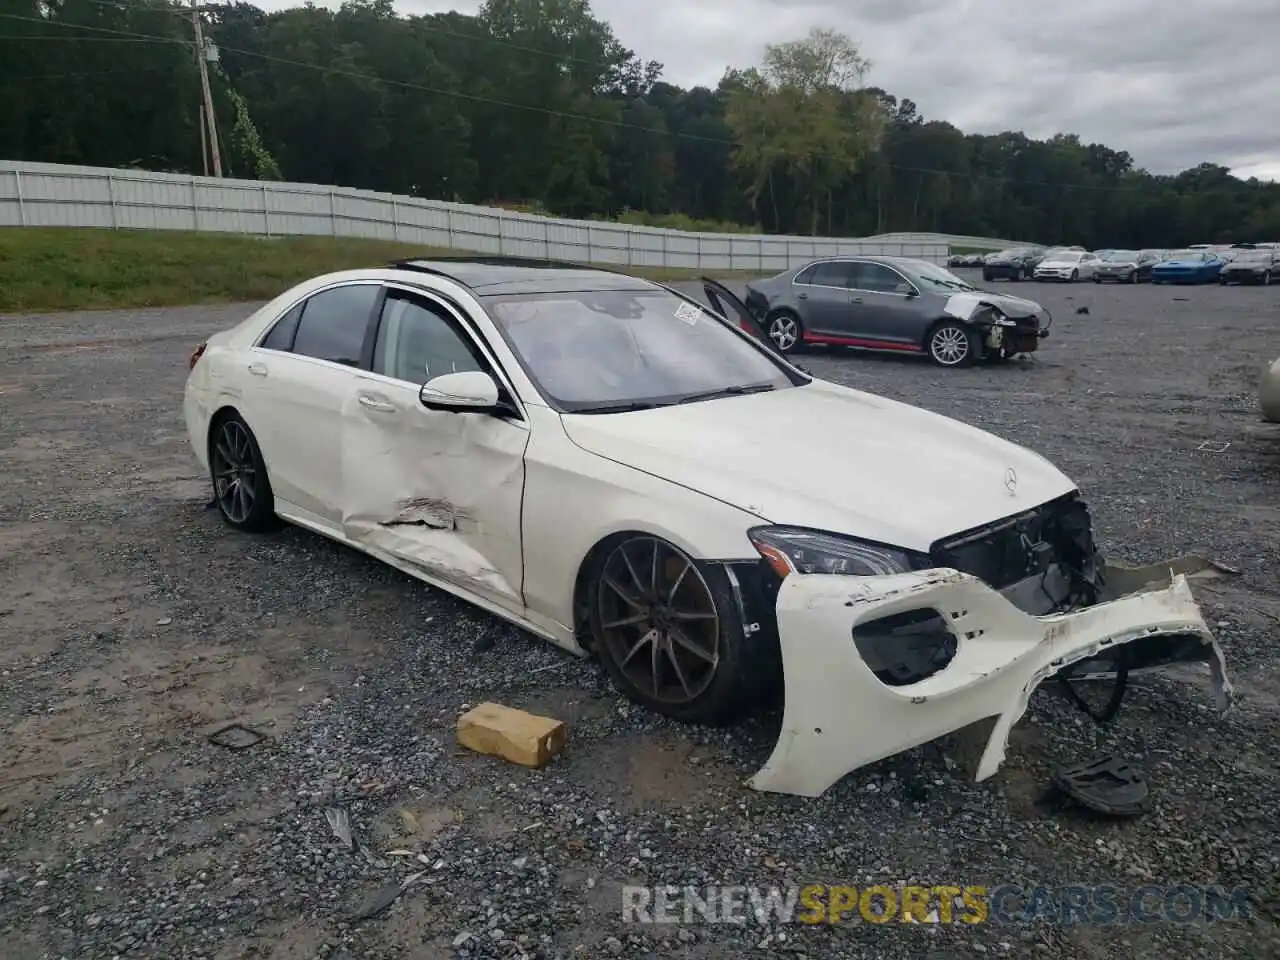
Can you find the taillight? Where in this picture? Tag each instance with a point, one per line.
(196, 354)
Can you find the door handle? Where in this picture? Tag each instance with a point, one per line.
(802, 296)
(855, 299)
(375, 404)
(258, 369)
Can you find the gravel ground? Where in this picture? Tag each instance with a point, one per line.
(135, 623)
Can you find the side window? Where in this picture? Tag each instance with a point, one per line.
(875, 277)
(832, 273)
(416, 343)
(334, 322)
(806, 275)
(281, 335)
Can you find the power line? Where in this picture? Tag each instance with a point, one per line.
(419, 22)
(96, 39)
(550, 112)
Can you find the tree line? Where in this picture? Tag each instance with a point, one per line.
(537, 105)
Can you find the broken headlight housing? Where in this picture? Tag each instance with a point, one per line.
(790, 550)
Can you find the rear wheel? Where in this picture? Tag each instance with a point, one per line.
(669, 634)
(785, 330)
(951, 344)
(241, 487)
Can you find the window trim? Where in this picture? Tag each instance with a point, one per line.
(462, 326)
(795, 282)
(306, 298)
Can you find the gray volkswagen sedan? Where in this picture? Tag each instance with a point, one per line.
(895, 304)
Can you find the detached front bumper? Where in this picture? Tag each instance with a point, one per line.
(839, 715)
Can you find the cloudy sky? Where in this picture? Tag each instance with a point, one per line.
(1174, 83)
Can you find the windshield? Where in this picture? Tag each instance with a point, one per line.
(1252, 256)
(1120, 256)
(932, 275)
(1185, 255)
(602, 351)
(1065, 256)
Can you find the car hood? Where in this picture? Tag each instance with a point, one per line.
(1010, 306)
(830, 458)
(1183, 263)
(1059, 263)
(1116, 264)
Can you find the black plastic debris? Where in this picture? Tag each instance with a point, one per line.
(1083, 310)
(212, 504)
(235, 736)
(1110, 786)
(378, 901)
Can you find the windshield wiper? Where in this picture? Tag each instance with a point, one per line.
(621, 407)
(728, 392)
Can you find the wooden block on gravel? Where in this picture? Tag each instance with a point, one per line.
(514, 735)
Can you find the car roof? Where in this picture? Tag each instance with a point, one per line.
(500, 276)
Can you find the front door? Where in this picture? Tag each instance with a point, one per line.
(887, 314)
(435, 490)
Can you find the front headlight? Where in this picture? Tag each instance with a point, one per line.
(797, 550)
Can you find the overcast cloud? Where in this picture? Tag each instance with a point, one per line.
(1173, 83)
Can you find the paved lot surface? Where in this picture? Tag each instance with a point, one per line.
(134, 622)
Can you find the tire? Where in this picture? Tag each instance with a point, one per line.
(1266, 279)
(1133, 277)
(1075, 275)
(950, 333)
(1097, 279)
(714, 687)
(1222, 281)
(986, 277)
(789, 331)
(238, 474)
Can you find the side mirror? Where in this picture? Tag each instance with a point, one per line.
(906, 289)
(472, 391)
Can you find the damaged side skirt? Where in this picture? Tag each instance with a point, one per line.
(841, 715)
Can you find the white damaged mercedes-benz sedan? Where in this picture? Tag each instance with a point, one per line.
(631, 475)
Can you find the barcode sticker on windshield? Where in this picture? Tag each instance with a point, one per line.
(688, 313)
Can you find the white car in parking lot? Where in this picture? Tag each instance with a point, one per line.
(1068, 265)
(628, 474)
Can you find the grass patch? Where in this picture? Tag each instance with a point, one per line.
(52, 269)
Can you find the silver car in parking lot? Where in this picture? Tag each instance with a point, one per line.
(894, 304)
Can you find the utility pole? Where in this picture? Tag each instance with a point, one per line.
(204, 87)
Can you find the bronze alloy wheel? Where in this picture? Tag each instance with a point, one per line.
(658, 619)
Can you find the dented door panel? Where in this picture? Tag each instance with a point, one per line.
(438, 491)
(839, 715)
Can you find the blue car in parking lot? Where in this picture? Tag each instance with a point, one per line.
(1188, 266)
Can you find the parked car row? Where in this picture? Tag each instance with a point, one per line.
(1244, 263)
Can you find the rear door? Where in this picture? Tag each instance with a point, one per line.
(305, 365)
(828, 304)
(439, 491)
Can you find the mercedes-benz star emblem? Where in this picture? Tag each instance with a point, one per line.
(1011, 481)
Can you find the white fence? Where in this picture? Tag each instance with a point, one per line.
(54, 195)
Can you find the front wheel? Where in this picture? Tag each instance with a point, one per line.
(1133, 277)
(669, 634)
(986, 277)
(1266, 279)
(1075, 275)
(241, 487)
(785, 330)
(952, 344)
